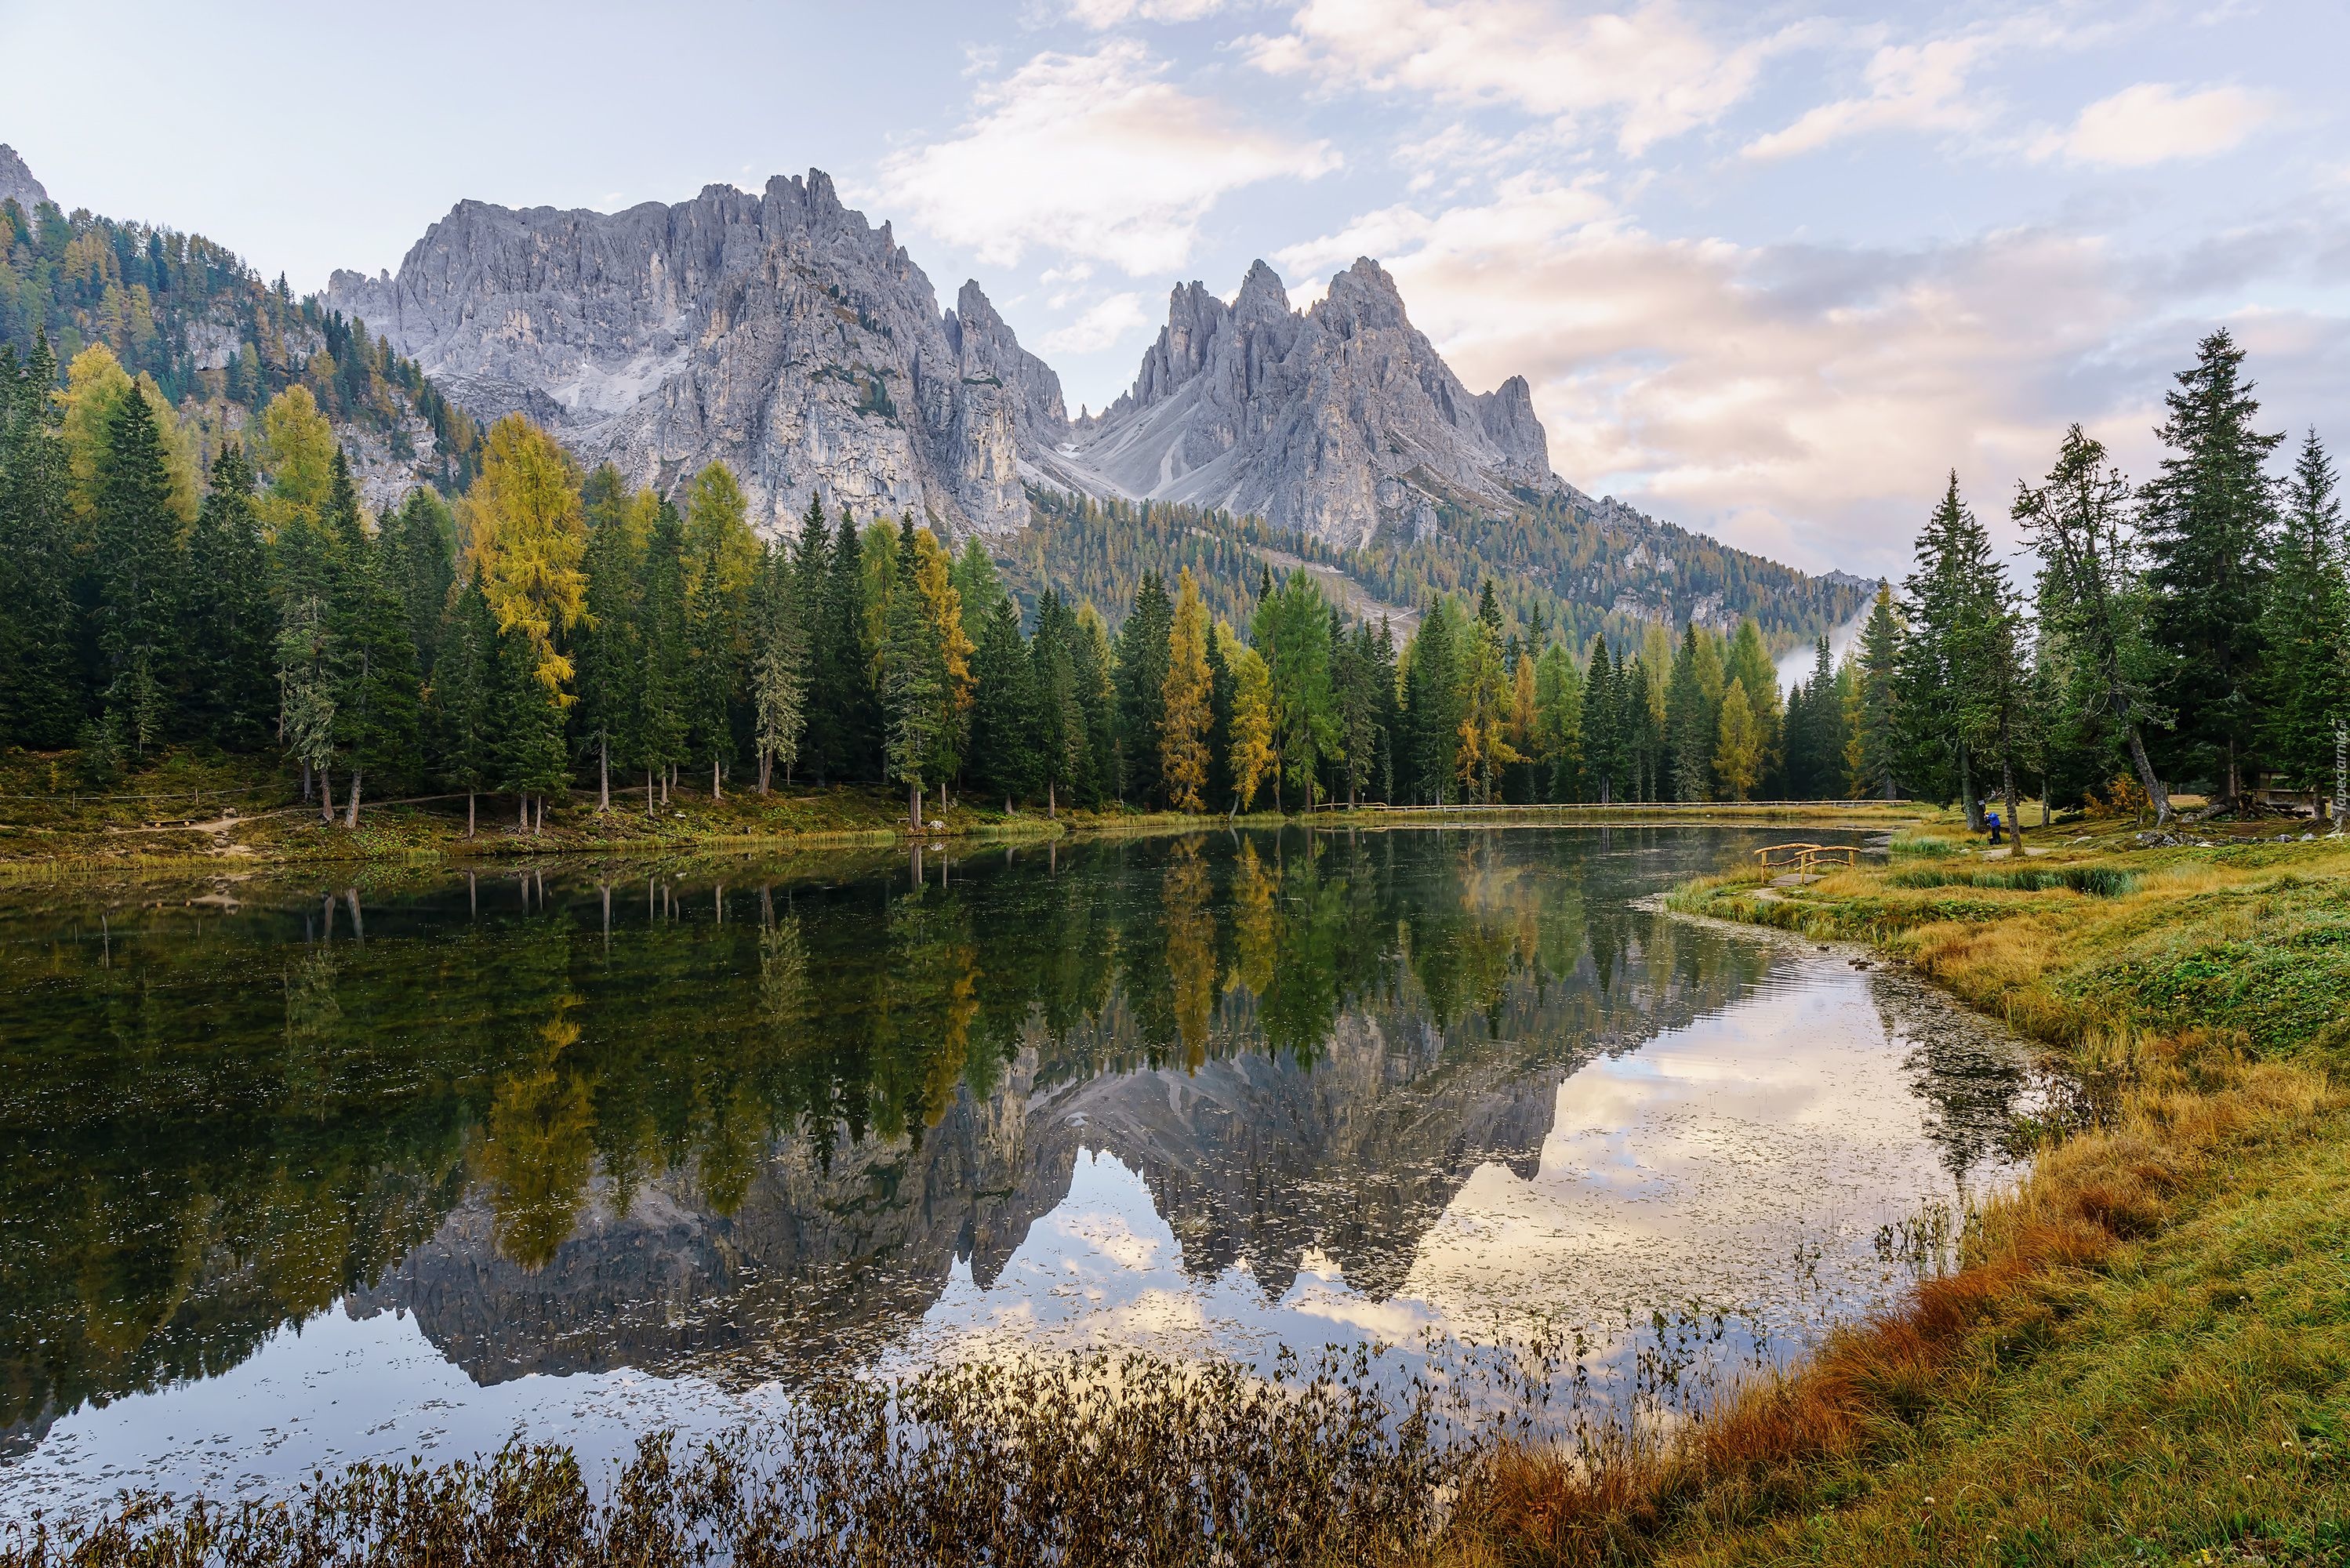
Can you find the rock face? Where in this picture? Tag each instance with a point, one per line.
(17, 182)
(779, 333)
(1337, 421)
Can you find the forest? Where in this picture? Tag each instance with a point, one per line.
(521, 631)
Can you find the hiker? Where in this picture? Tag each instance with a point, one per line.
(1992, 817)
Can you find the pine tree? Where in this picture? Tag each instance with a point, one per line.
(2307, 659)
(1431, 701)
(526, 723)
(2207, 517)
(1220, 716)
(658, 742)
(1358, 710)
(423, 536)
(376, 709)
(1944, 597)
(1558, 721)
(778, 669)
(1187, 691)
(1878, 738)
(1141, 665)
(140, 564)
(1005, 760)
(308, 662)
(41, 681)
(1090, 670)
(979, 587)
(913, 682)
(608, 655)
(1606, 748)
(1292, 631)
(842, 706)
(460, 712)
(1692, 724)
(230, 624)
(1749, 663)
(1065, 753)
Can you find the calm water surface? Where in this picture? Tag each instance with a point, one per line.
(365, 1164)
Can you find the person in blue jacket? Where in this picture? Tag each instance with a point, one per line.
(1992, 817)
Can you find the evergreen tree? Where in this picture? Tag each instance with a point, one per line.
(41, 682)
(1292, 631)
(778, 669)
(1692, 724)
(140, 564)
(231, 625)
(2207, 517)
(1484, 750)
(1089, 668)
(376, 712)
(1219, 737)
(1749, 663)
(1354, 684)
(1005, 759)
(459, 712)
(1945, 598)
(978, 586)
(1431, 701)
(1141, 663)
(308, 667)
(1814, 725)
(2093, 609)
(1993, 709)
(1878, 738)
(423, 536)
(842, 704)
(1607, 745)
(526, 721)
(1185, 701)
(608, 655)
(2307, 659)
(658, 740)
(913, 682)
(1558, 721)
(1065, 753)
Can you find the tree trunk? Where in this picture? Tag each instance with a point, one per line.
(351, 817)
(1966, 791)
(306, 778)
(2155, 791)
(469, 814)
(603, 775)
(538, 818)
(327, 796)
(914, 805)
(2015, 817)
(649, 791)
(1051, 809)
(716, 794)
(767, 769)
(522, 814)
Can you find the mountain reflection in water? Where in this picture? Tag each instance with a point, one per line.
(731, 1125)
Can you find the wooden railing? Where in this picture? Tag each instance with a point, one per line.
(1806, 859)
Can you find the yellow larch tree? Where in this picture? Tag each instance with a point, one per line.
(296, 449)
(1738, 743)
(1251, 757)
(1186, 691)
(526, 531)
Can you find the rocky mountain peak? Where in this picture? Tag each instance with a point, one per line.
(780, 334)
(1341, 421)
(17, 182)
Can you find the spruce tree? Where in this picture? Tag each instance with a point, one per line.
(1876, 770)
(842, 705)
(606, 651)
(2092, 610)
(2208, 518)
(376, 709)
(140, 566)
(461, 715)
(423, 540)
(1005, 759)
(778, 669)
(42, 690)
(527, 728)
(1689, 724)
(2307, 658)
(1097, 695)
(1945, 597)
(231, 625)
(657, 743)
(913, 682)
(1186, 702)
(1141, 665)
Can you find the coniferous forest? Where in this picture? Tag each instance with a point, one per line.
(186, 559)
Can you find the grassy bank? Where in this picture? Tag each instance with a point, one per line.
(192, 810)
(2141, 1356)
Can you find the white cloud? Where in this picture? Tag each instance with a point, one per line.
(1805, 402)
(1648, 70)
(1093, 154)
(1102, 325)
(1912, 87)
(1110, 13)
(2154, 122)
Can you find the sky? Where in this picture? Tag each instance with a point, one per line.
(1774, 270)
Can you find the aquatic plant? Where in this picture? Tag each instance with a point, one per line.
(2097, 881)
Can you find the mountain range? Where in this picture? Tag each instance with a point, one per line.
(787, 335)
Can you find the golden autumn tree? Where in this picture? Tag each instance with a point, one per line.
(1186, 691)
(1738, 743)
(526, 531)
(1252, 758)
(1485, 748)
(297, 450)
(96, 384)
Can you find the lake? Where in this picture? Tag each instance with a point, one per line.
(355, 1163)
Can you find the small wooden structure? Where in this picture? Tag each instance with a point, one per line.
(1806, 859)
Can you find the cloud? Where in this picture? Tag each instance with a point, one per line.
(1648, 71)
(1102, 325)
(1805, 400)
(1093, 154)
(2154, 122)
(1110, 13)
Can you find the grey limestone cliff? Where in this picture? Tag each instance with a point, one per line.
(17, 182)
(779, 333)
(1337, 421)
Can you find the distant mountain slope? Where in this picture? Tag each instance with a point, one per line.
(218, 341)
(780, 333)
(1340, 422)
